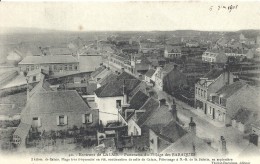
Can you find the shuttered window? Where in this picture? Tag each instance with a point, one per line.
(62, 120)
(87, 118)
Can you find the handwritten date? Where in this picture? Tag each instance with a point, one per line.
(222, 7)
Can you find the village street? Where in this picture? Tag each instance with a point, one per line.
(206, 128)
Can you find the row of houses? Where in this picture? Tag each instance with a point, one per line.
(120, 105)
(224, 98)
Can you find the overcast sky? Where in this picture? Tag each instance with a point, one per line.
(130, 16)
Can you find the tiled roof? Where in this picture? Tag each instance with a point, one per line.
(188, 143)
(42, 86)
(22, 130)
(97, 71)
(229, 90)
(150, 73)
(49, 59)
(107, 79)
(213, 74)
(125, 75)
(161, 115)
(170, 132)
(115, 88)
(54, 102)
(168, 68)
(150, 106)
(91, 88)
(138, 100)
(171, 49)
(173, 79)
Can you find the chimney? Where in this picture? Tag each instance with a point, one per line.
(192, 126)
(125, 97)
(162, 102)
(132, 139)
(253, 138)
(222, 146)
(174, 111)
(27, 88)
(193, 148)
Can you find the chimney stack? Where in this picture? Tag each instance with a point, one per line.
(162, 102)
(192, 126)
(253, 138)
(132, 139)
(125, 97)
(222, 146)
(174, 111)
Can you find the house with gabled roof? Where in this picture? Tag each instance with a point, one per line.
(224, 104)
(210, 83)
(114, 95)
(48, 110)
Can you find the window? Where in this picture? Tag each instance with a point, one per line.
(32, 68)
(27, 68)
(135, 131)
(36, 122)
(118, 103)
(87, 118)
(205, 94)
(70, 67)
(62, 120)
(76, 67)
(55, 67)
(34, 78)
(65, 67)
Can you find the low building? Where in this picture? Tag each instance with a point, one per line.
(172, 52)
(214, 56)
(54, 64)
